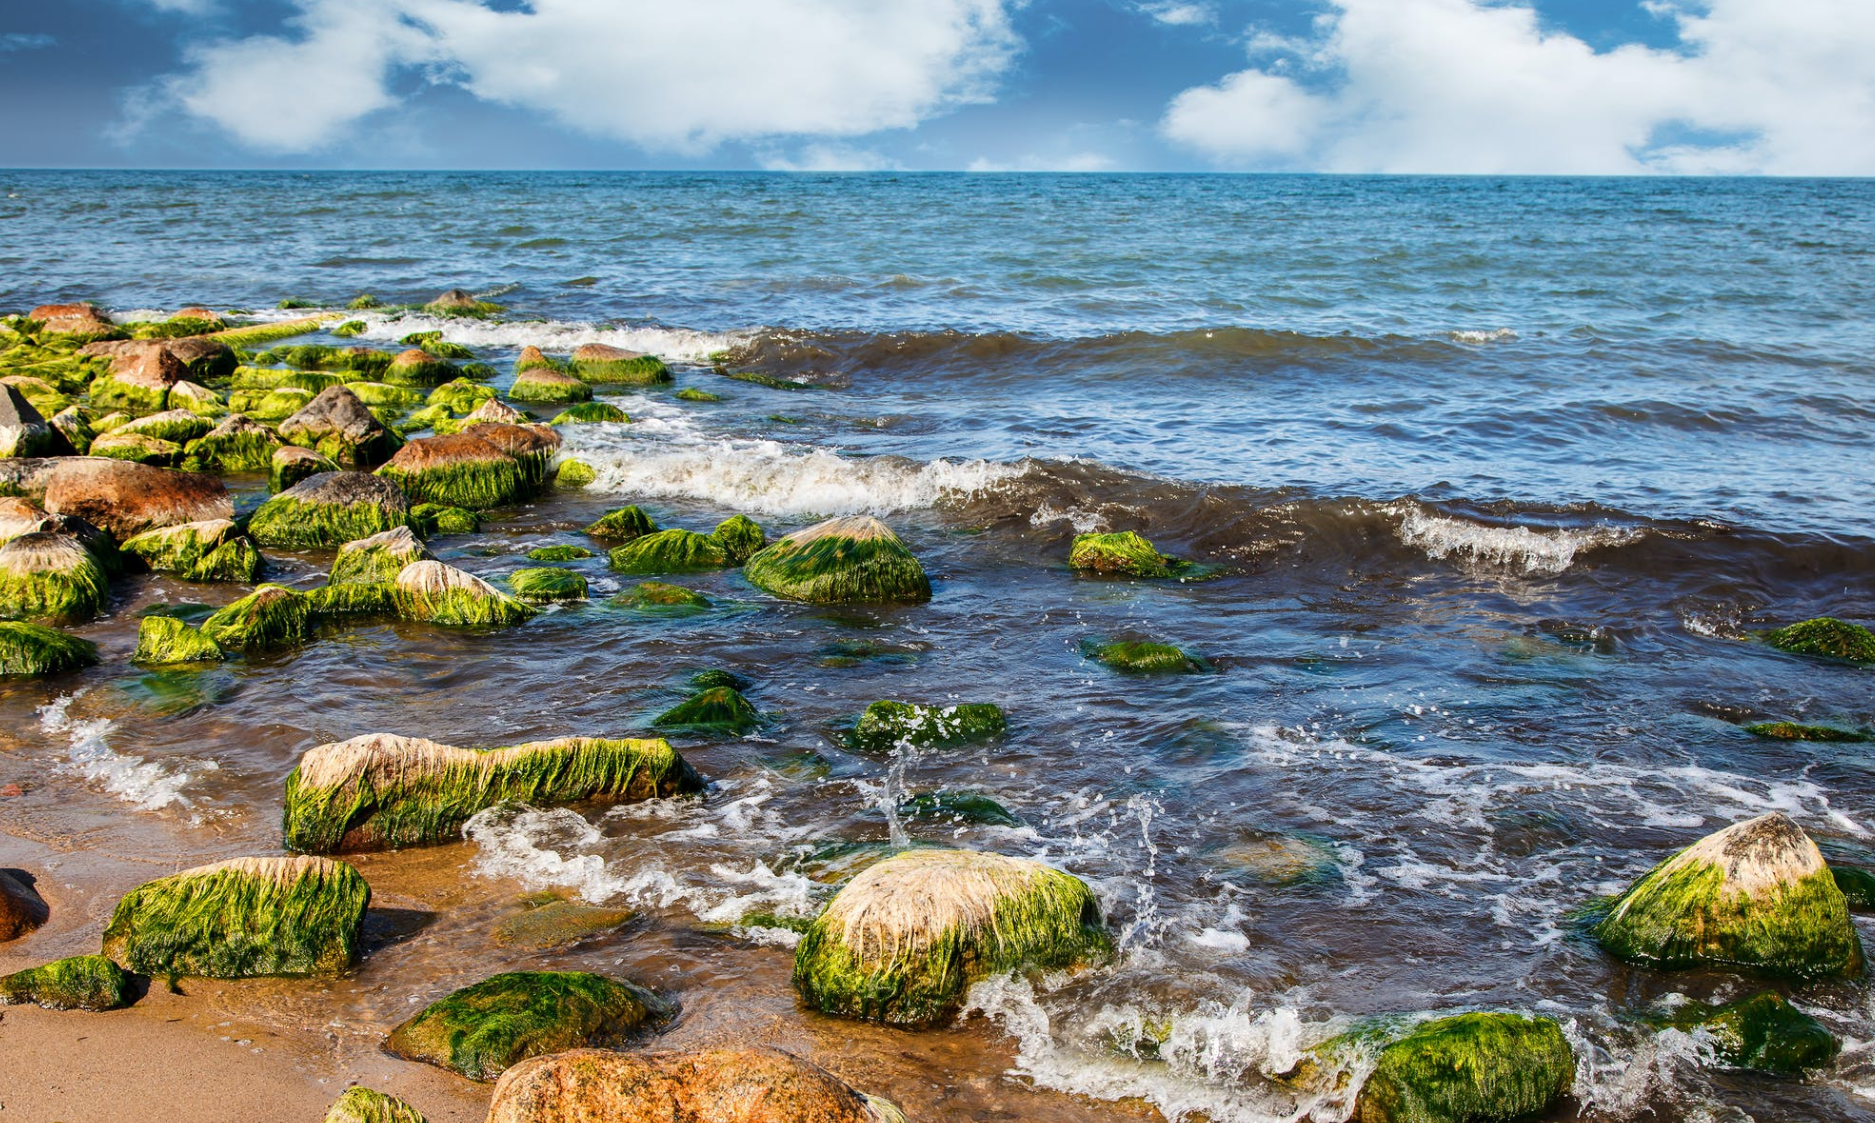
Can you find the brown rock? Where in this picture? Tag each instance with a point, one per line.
(604, 353)
(28, 475)
(454, 298)
(55, 311)
(152, 368)
(337, 424)
(19, 516)
(125, 499)
(203, 357)
(714, 1086)
(21, 909)
(517, 440)
(197, 312)
(72, 319)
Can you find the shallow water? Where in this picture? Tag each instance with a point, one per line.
(1501, 475)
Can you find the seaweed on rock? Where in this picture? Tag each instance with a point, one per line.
(887, 724)
(52, 577)
(720, 709)
(166, 641)
(362, 1105)
(1828, 637)
(459, 470)
(482, 1030)
(669, 551)
(30, 649)
(83, 982)
(271, 616)
(841, 561)
(623, 525)
(377, 559)
(435, 593)
(591, 412)
(1471, 1068)
(546, 584)
(1764, 1033)
(330, 509)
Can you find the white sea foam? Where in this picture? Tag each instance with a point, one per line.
(541, 850)
(1520, 548)
(1495, 335)
(554, 336)
(1083, 520)
(146, 784)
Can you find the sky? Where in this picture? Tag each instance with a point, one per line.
(1593, 87)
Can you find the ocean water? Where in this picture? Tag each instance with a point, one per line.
(1502, 477)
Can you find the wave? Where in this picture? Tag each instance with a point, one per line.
(1521, 548)
(146, 784)
(553, 336)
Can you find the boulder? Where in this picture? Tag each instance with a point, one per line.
(1763, 1033)
(238, 444)
(604, 365)
(541, 554)
(591, 412)
(1138, 657)
(840, 561)
(127, 499)
(952, 808)
(378, 559)
(1858, 887)
(1828, 637)
(84, 982)
(748, 1085)
(177, 426)
(49, 576)
(384, 394)
(75, 425)
(1755, 896)
(29, 649)
(741, 538)
(547, 584)
(362, 1105)
(888, 724)
(557, 924)
(195, 398)
(720, 709)
(623, 525)
(482, 1030)
(435, 593)
(432, 519)
(82, 320)
(497, 412)
(531, 358)
(1794, 731)
(460, 395)
(213, 550)
(905, 938)
(417, 367)
(382, 791)
(291, 464)
(1124, 554)
(139, 382)
(137, 448)
(1473, 1068)
(202, 359)
(532, 446)
(670, 551)
(656, 594)
(329, 510)
(21, 909)
(24, 432)
(574, 473)
(541, 385)
(271, 616)
(22, 516)
(164, 641)
(336, 424)
(353, 599)
(458, 470)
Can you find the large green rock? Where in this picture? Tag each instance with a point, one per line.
(30, 649)
(888, 724)
(329, 510)
(434, 593)
(291, 464)
(1763, 1032)
(459, 470)
(670, 551)
(720, 709)
(211, 550)
(546, 584)
(165, 641)
(840, 561)
(378, 559)
(601, 364)
(271, 616)
(1121, 554)
(382, 791)
(362, 1105)
(482, 1030)
(238, 444)
(588, 412)
(1828, 637)
(51, 577)
(1755, 896)
(541, 385)
(741, 538)
(243, 917)
(623, 525)
(1473, 1068)
(84, 982)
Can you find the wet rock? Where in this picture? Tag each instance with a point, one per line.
(1828, 637)
(1144, 658)
(212, 550)
(623, 525)
(50, 577)
(417, 367)
(657, 594)
(329, 510)
(1755, 896)
(164, 641)
(238, 444)
(460, 395)
(377, 559)
(532, 446)
(1763, 1033)
(31, 649)
(385, 395)
(1278, 861)
(951, 808)
(431, 519)
(330, 602)
(456, 302)
(887, 724)
(336, 424)
(137, 449)
(574, 473)
(127, 499)
(558, 924)
(587, 412)
(458, 471)
(201, 359)
(717, 1086)
(176, 426)
(541, 385)
(272, 405)
(840, 561)
(139, 381)
(741, 538)
(482, 1030)
(604, 365)
(1792, 731)
(197, 399)
(904, 940)
(692, 394)
(84, 320)
(552, 553)
(270, 617)
(75, 425)
(24, 432)
(381, 791)
(21, 908)
(547, 584)
(494, 411)
(1469, 1069)
(84, 982)
(1121, 554)
(717, 710)
(1858, 887)
(242, 918)
(292, 464)
(531, 358)
(435, 593)
(669, 551)
(362, 1105)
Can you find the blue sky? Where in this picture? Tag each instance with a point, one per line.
(1486, 86)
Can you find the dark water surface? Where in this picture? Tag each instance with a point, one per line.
(1503, 476)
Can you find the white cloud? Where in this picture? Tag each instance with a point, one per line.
(1072, 162)
(830, 158)
(25, 41)
(677, 77)
(1779, 86)
(1179, 13)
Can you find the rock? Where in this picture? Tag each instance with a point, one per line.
(547, 584)
(459, 470)
(497, 412)
(531, 358)
(431, 519)
(201, 359)
(362, 1105)
(435, 593)
(137, 449)
(238, 444)
(271, 616)
(329, 510)
(177, 426)
(166, 641)
(384, 394)
(542, 554)
(272, 405)
(840, 561)
(378, 559)
(713, 677)
(193, 398)
(38, 393)
(1472, 1068)
(670, 551)
(139, 381)
(23, 431)
(85, 982)
(532, 446)
(461, 395)
(1828, 637)
(417, 367)
(752, 1085)
(22, 516)
(656, 594)
(887, 725)
(74, 424)
(623, 525)
(381, 791)
(127, 499)
(482, 1030)
(242, 918)
(574, 473)
(904, 940)
(1142, 658)
(213, 550)
(597, 363)
(719, 710)
(82, 320)
(1791, 731)
(1763, 1032)
(1122, 554)
(741, 538)
(591, 412)
(353, 599)
(542, 385)
(1755, 896)
(951, 808)
(1278, 861)
(291, 464)
(51, 577)
(29, 649)
(336, 424)
(558, 924)
(21, 908)
(692, 394)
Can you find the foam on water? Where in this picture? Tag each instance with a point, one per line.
(554, 336)
(146, 784)
(1495, 335)
(1519, 548)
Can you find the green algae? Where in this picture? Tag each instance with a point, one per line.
(272, 616)
(741, 538)
(887, 724)
(547, 584)
(1792, 731)
(669, 551)
(137, 448)
(350, 329)
(261, 333)
(638, 370)
(30, 649)
(1827, 637)
(460, 396)
(362, 1105)
(574, 473)
(1470, 1068)
(353, 599)
(712, 677)
(770, 381)
(538, 385)
(657, 594)
(1127, 554)
(385, 395)
(165, 641)
(1144, 658)
(249, 917)
(263, 380)
(477, 484)
(558, 924)
(692, 394)
(239, 449)
(591, 412)
(623, 525)
(50, 578)
(175, 426)
(202, 551)
(558, 553)
(378, 559)
(84, 982)
(1763, 1033)
(717, 710)
(482, 1030)
(284, 471)
(431, 519)
(841, 561)
(435, 593)
(327, 510)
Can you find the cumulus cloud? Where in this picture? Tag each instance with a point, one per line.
(1178, 13)
(1474, 86)
(673, 77)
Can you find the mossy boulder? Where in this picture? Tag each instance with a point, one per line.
(841, 561)
(30, 649)
(432, 519)
(292, 464)
(1792, 731)
(51, 577)
(362, 1105)
(720, 709)
(212, 550)
(1764, 1033)
(601, 364)
(460, 395)
(165, 641)
(497, 411)
(83, 982)
(547, 584)
(747, 1085)
(670, 551)
(657, 594)
(331, 602)
(417, 367)
(558, 553)
(905, 938)
(623, 525)
(540, 385)
(532, 358)
(338, 425)
(378, 559)
(692, 394)
(1755, 896)
(197, 399)
(1123, 554)
(574, 473)
(270, 617)
(889, 724)
(1828, 637)
(382, 791)
(1136, 657)
(384, 395)
(76, 426)
(458, 471)
(482, 1030)
(741, 538)
(238, 444)
(275, 405)
(176, 426)
(329, 510)
(589, 412)
(1472, 1068)
(460, 304)
(557, 924)
(532, 446)
(434, 593)
(137, 448)
(241, 918)
(127, 499)
(138, 382)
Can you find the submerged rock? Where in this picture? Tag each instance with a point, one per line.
(1472, 1068)
(29, 649)
(1121, 554)
(84, 982)
(337, 425)
(547, 584)
(1763, 1032)
(271, 616)
(753, 1085)
(1756, 895)
(362, 1105)
(21, 908)
(558, 553)
(381, 791)
(238, 444)
(378, 559)
(166, 641)
(213, 550)
(482, 1030)
(50, 577)
(241, 918)
(558, 924)
(458, 470)
(292, 464)
(669, 551)
(692, 394)
(329, 510)
(128, 499)
(904, 940)
(431, 519)
(600, 364)
(435, 593)
(954, 807)
(840, 561)
(623, 525)
(1792, 731)
(657, 594)
(537, 384)
(1828, 637)
(1141, 658)
(887, 724)
(719, 709)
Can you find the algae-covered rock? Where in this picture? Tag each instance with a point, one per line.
(532, 358)
(417, 367)
(385, 395)
(238, 444)
(196, 399)
(460, 395)
(957, 807)
(176, 426)
(1122, 554)
(165, 641)
(362, 1105)
(212, 550)
(888, 724)
(457, 471)
(749, 1085)
(458, 303)
(532, 446)
(200, 359)
(271, 616)
(242, 918)
(657, 594)
(623, 525)
(1828, 637)
(75, 424)
(277, 404)
(1763, 1032)
(30, 649)
(741, 537)
(587, 412)
(719, 710)
(329, 510)
(378, 559)
(558, 924)
(1755, 896)
(601, 364)
(904, 940)
(541, 385)
(83, 982)
(352, 599)
(21, 908)
(24, 431)
(292, 464)
(558, 553)
(336, 424)
(432, 519)
(482, 1030)
(435, 593)
(137, 448)
(497, 411)
(840, 561)
(1145, 658)
(138, 382)
(670, 551)
(692, 394)
(127, 499)
(49, 576)
(382, 791)
(1472, 1068)
(1792, 731)
(547, 584)
(574, 473)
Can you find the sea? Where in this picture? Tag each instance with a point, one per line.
(1495, 482)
